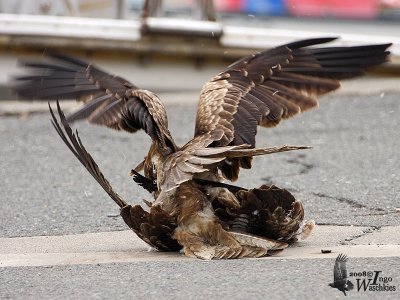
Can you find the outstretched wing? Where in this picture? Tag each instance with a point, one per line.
(264, 88)
(340, 271)
(192, 161)
(108, 100)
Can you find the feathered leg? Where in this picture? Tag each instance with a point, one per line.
(202, 235)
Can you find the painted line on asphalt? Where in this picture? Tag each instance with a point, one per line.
(55, 259)
(126, 247)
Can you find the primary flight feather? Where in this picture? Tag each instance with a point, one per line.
(258, 90)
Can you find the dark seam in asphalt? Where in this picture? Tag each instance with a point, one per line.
(365, 232)
(336, 224)
(348, 201)
(385, 213)
(305, 169)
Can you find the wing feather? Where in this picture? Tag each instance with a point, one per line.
(183, 165)
(340, 270)
(269, 86)
(108, 100)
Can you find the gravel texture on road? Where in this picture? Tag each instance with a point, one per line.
(194, 279)
(350, 177)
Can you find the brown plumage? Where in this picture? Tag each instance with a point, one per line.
(181, 223)
(264, 88)
(156, 227)
(258, 90)
(267, 211)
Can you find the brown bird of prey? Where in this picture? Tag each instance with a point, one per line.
(257, 90)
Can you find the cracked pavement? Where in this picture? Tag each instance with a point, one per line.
(52, 211)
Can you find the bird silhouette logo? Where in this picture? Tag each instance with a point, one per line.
(340, 279)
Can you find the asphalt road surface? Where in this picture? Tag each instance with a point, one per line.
(350, 177)
(195, 279)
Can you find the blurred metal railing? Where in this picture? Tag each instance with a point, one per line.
(86, 33)
(157, 46)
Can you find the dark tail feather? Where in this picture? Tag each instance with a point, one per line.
(150, 186)
(144, 182)
(230, 187)
(74, 144)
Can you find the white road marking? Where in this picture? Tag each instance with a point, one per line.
(124, 246)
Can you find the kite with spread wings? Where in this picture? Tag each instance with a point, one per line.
(193, 209)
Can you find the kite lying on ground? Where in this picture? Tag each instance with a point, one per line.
(193, 209)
